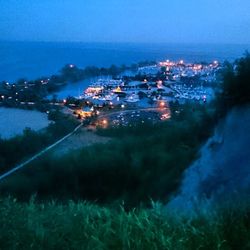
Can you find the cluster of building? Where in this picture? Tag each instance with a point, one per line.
(181, 71)
(167, 81)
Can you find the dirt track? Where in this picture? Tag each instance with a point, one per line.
(81, 138)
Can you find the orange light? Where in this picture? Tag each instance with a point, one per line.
(104, 122)
(162, 104)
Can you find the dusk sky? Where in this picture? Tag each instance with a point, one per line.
(158, 21)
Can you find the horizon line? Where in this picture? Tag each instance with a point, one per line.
(125, 42)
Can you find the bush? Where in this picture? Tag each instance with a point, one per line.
(87, 226)
(236, 85)
(14, 150)
(142, 162)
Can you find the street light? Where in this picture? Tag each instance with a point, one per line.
(162, 104)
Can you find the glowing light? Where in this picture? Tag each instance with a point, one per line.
(181, 62)
(104, 122)
(165, 116)
(71, 66)
(215, 62)
(118, 89)
(159, 84)
(162, 104)
(64, 100)
(93, 90)
(122, 106)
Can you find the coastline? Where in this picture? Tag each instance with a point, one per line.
(34, 59)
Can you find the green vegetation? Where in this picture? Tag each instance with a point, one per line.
(14, 150)
(85, 226)
(141, 163)
(235, 85)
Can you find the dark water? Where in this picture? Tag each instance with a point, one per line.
(33, 59)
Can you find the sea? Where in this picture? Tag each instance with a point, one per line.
(31, 60)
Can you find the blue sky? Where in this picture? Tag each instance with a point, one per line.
(149, 21)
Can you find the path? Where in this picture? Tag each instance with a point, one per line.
(13, 170)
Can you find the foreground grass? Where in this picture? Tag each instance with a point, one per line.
(85, 226)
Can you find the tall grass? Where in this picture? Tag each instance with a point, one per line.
(88, 226)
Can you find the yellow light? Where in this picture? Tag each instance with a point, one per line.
(118, 89)
(104, 122)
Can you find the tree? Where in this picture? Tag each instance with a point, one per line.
(235, 85)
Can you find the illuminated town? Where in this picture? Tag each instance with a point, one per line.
(145, 95)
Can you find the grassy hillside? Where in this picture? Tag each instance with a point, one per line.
(140, 163)
(85, 226)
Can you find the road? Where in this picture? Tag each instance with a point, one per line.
(13, 170)
(20, 166)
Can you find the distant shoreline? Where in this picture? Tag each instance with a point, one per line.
(35, 59)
